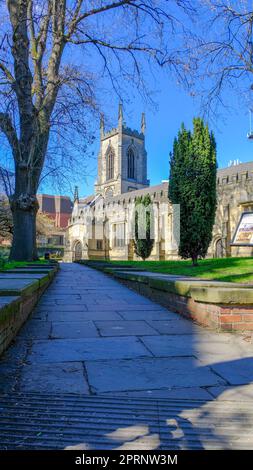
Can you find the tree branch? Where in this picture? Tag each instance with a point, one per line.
(58, 25)
(22, 72)
(9, 131)
(38, 46)
(7, 73)
(77, 19)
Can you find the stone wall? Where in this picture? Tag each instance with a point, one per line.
(217, 305)
(221, 317)
(14, 310)
(235, 195)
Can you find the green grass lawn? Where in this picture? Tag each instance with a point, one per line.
(14, 264)
(222, 269)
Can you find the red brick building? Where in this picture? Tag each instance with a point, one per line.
(59, 209)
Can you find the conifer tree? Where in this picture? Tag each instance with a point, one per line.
(192, 184)
(144, 240)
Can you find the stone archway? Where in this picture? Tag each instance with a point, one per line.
(219, 248)
(109, 192)
(77, 251)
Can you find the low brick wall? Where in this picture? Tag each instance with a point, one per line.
(222, 317)
(204, 314)
(15, 312)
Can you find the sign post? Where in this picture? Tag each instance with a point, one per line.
(243, 235)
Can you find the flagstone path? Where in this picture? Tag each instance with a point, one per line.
(92, 340)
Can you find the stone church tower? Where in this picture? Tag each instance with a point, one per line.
(122, 159)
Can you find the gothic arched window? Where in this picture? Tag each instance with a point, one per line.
(109, 192)
(130, 164)
(110, 165)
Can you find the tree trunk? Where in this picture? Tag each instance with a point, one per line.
(195, 260)
(24, 209)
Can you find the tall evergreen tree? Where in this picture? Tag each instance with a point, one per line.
(192, 184)
(144, 241)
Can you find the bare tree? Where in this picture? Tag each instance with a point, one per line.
(6, 181)
(45, 226)
(6, 188)
(220, 54)
(52, 53)
(6, 224)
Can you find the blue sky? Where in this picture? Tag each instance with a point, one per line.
(175, 106)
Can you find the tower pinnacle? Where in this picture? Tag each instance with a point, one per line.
(143, 123)
(76, 194)
(102, 125)
(120, 115)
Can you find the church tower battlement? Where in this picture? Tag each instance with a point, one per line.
(122, 159)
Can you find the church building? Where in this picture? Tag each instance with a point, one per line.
(102, 225)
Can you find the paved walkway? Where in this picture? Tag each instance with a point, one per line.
(92, 337)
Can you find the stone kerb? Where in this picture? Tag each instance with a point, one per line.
(20, 290)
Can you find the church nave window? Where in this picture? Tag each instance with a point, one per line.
(99, 244)
(118, 235)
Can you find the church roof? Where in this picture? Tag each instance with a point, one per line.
(87, 199)
(235, 169)
(159, 190)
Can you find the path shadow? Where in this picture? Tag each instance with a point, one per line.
(51, 418)
(184, 424)
(78, 422)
